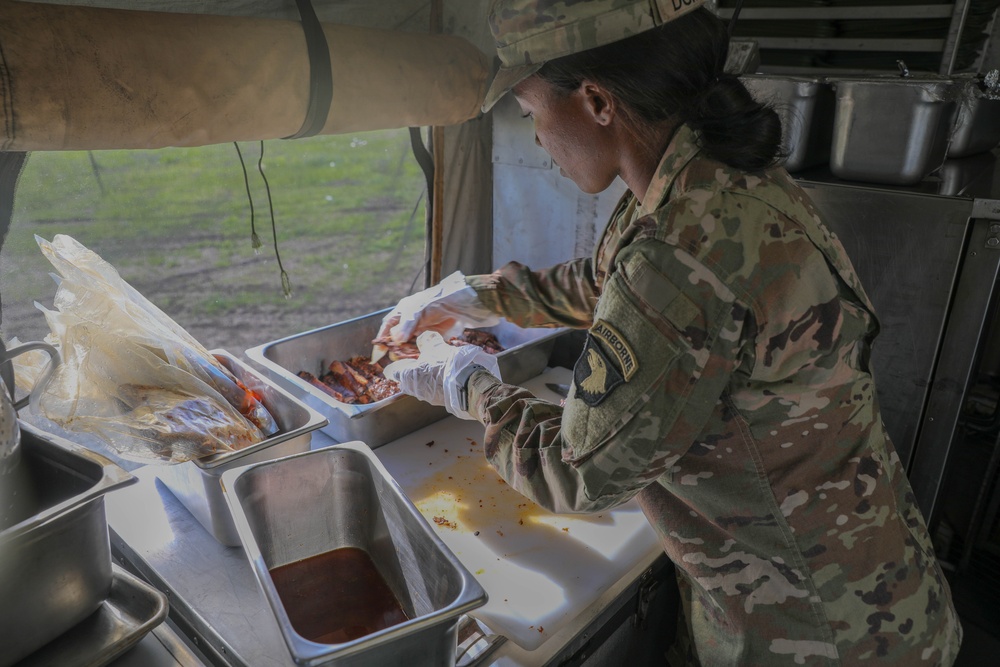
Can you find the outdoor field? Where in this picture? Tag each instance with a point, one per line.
(176, 224)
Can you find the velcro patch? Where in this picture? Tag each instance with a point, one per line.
(619, 346)
(594, 374)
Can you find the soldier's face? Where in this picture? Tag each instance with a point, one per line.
(572, 130)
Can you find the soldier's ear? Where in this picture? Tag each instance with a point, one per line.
(598, 102)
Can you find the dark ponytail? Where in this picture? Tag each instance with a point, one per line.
(676, 73)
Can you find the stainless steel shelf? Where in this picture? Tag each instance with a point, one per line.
(947, 44)
(895, 12)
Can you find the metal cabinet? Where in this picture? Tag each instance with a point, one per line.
(930, 264)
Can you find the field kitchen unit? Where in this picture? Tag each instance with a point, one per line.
(891, 115)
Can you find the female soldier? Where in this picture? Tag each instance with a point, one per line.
(725, 379)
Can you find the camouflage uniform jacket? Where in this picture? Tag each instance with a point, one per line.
(725, 381)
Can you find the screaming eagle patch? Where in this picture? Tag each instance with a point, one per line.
(596, 372)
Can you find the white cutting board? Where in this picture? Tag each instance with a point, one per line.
(539, 569)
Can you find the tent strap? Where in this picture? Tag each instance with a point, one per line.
(320, 73)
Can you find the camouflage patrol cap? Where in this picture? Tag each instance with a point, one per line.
(528, 33)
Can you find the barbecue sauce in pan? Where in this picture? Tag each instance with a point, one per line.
(337, 596)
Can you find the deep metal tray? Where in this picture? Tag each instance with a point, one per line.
(55, 564)
(526, 354)
(805, 106)
(352, 501)
(890, 130)
(196, 482)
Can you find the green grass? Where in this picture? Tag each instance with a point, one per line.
(176, 223)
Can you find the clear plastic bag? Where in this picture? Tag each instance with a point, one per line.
(133, 376)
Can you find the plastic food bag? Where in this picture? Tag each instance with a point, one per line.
(133, 376)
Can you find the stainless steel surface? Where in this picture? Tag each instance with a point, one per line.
(353, 503)
(197, 484)
(215, 600)
(908, 250)
(55, 565)
(930, 265)
(890, 130)
(525, 355)
(130, 611)
(974, 297)
(806, 107)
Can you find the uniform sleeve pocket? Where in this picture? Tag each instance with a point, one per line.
(625, 356)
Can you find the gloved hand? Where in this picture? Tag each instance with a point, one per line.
(448, 308)
(433, 376)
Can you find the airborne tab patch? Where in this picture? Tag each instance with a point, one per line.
(617, 344)
(594, 374)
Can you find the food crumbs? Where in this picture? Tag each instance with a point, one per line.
(441, 521)
(430, 444)
(541, 629)
(566, 529)
(520, 522)
(480, 570)
(476, 533)
(500, 533)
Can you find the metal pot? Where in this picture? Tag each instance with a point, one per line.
(10, 436)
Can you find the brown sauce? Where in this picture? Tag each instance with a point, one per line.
(337, 596)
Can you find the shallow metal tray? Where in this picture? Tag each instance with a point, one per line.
(890, 130)
(353, 502)
(132, 609)
(805, 106)
(55, 564)
(526, 354)
(196, 482)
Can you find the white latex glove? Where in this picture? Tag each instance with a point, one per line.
(448, 308)
(433, 376)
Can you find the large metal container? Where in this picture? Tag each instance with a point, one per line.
(890, 130)
(976, 124)
(526, 354)
(196, 483)
(55, 564)
(805, 106)
(303, 505)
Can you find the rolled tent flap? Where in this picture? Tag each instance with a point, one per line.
(80, 78)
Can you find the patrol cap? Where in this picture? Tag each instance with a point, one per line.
(528, 33)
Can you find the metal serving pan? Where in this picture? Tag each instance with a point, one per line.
(805, 106)
(890, 130)
(352, 501)
(526, 354)
(55, 564)
(976, 125)
(196, 483)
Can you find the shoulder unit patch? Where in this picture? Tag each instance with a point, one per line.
(619, 346)
(594, 374)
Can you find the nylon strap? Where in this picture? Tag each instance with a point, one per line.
(320, 72)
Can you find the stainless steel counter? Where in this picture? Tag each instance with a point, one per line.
(216, 603)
